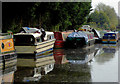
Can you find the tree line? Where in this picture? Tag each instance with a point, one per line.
(103, 17)
(52, 16)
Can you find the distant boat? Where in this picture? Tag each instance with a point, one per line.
(33, 43)
(110, 37)
(85, 28)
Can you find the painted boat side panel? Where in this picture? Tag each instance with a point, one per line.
(112, 42)
(25, 49)
(7, 45)
(44, 52)
(109, 41)
(43, 49)
(33, 49)
(44, 59)
(46, 44)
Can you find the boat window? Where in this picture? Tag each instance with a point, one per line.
(112, 37)
(24, 40)
(50, 37)
(105, 37)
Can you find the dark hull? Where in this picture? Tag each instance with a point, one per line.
(74, 42)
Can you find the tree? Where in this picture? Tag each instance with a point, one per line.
(100, 18)
(104, 16)
(49, 15)
(110, 12)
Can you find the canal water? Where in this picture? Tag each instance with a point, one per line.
(97, 63)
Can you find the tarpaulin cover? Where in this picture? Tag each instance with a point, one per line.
(79, 34)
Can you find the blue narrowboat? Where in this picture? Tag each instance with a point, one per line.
(110, 37)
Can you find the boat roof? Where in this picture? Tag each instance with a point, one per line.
(112, 32)
(79, 34)
(48, 32)
(33, 34)
(31, 30)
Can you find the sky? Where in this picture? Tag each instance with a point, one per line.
(112, 3)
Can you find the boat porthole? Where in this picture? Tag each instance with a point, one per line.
(2, 46)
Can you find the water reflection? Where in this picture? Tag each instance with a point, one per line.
(105, 65)
(59, 56)
(81, 55)
(71, 65)
(107, 53)
(88, 64)
(110, 48)
(32, 69)
(7, 68)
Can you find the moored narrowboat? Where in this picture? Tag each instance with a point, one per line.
(110, 37)
(8, 55)
(33, 44)
(80, 38)
(61, 38)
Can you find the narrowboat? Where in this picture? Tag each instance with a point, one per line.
(8, 58)
(33, 43)
(61, 38)
(8, 55)
(110, 37)
(80, 38)
(97, 35)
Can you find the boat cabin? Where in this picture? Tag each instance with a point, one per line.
(24, 39)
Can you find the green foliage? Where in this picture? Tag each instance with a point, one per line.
(104, 16)
(52, 16)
